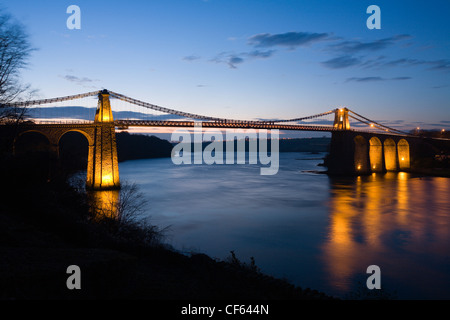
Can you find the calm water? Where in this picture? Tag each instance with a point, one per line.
(313, 230)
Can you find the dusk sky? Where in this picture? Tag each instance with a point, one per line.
(248, 59)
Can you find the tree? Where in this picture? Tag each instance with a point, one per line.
(15, 49)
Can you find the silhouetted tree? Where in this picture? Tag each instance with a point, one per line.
(15, 49)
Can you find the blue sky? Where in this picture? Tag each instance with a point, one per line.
(249, 59)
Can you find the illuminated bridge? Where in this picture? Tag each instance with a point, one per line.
(368, 147)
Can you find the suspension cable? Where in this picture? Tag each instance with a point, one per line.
(45, 101)
(368, 123)
(381, 126)
(156, 108)
(301, 119)
(165, 110)
(202, 117)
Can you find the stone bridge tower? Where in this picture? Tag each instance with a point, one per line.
(341, 119)
(103, 167)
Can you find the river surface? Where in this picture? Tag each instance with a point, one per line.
(311, 229)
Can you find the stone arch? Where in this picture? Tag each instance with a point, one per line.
(30, 131)
(403, 154)
(376, 155)
(390, 155)
(88, 136)
(73, 148)
(21, 134)
(360, 160)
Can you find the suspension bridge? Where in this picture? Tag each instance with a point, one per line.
(368, 147)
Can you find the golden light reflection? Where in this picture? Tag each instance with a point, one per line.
(340, 245)
(390, 155)
(403, 154)
(373, 218)
(402, 198)
(360, 156)
(104, 203)
(376, 154)
(373, 202)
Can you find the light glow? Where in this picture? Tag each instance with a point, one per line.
(107, 180)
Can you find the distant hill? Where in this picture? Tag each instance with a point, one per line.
(290, 145)
(305, 145)
(140, 146)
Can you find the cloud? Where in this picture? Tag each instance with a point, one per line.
(233, 59)
(80, 81)
(401, 78)
(374, 79)
(348, 49)
(393, 122)
(289, 39)
(403, 62)
(381, 62)
(266, 40)
(352, 47)
(439, 87)
(343, 53)
(341, 62)
(77, 79)
(191, 58)
(443, 64)
(435, 124)
(260, 54)
(365, 79)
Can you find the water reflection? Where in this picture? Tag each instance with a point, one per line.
(316, 231)
(104, 203)
(393, 220)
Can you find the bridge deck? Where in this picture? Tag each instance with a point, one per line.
(221, 124)
(205, 124)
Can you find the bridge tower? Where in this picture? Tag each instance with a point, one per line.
(341, 119)
(103, 167)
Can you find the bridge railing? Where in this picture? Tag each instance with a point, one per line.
(62, 121)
